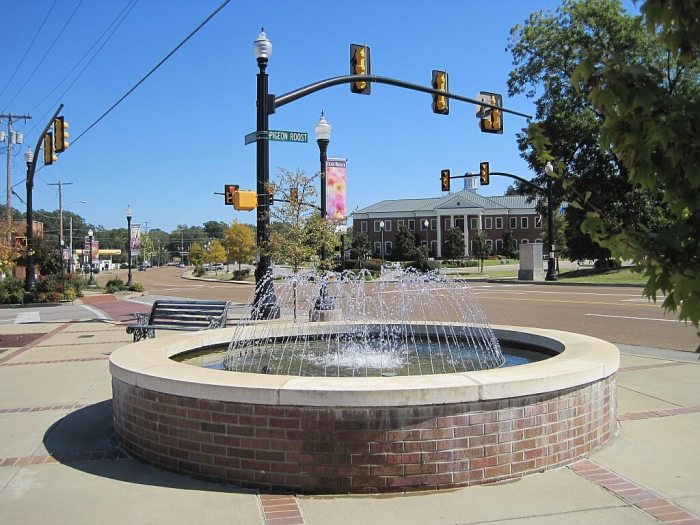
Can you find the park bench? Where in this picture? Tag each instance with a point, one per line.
(179, 315)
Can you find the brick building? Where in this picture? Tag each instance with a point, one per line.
(431, 218)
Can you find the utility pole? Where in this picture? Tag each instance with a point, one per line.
(60, 185)
(11, 137)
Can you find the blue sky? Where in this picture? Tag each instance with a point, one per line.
(179, 137)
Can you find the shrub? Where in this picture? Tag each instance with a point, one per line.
(114, 285)
(607, 264)
(136, 287)
(70, 294)
(374, 265)
(198, 271)
(242, 274)
(76, 283)
(11, 291)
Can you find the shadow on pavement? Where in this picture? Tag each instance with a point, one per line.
(84, 440)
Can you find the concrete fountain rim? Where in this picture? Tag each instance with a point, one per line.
(580, 360)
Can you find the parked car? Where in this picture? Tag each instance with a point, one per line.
(142, 267)
(181, 265)
(218, 266)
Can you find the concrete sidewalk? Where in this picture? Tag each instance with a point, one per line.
(59, 464)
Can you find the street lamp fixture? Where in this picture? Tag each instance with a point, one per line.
(129, 214)
(551, 271)
(91, 281)
(381, 248)
(426, 223)
(323, 137)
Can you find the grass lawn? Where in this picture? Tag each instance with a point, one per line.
(590, 275)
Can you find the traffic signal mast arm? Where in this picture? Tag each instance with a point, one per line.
(277, 102)
(524, 181)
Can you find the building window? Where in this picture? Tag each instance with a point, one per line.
(433, 224)
(499, 245)
(378, 248)
(448, 223)
(424, 243)
(473, 225)
(412, 225)
(459, 223)
(422, 224)
(387, 248)
(499, 223)
(399, 223)
(387, 225)
(363, 226)
(489, 243)
(433, 247)
(524, 241)
(523, 223)
(539, 241)
(513, 223)
(377, 227)
(488, 223)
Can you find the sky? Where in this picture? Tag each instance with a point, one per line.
(179, 137)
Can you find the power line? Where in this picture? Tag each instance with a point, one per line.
(200, 26)
(128, 8)
(28, 48)
(47, 52)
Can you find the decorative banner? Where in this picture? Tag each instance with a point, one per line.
(135, 239)
(336, 190)
(65, 254)
(95, 252)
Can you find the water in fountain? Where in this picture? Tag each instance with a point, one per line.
(405, 323)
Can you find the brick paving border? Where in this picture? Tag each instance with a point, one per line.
(658, 413)
(634, 494)
(280, 509)
(34, 343)
(40, 409)
(49, 361)
(635, 368)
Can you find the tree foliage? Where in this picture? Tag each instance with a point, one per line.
(196, 254)
(406, 244)
(215, 253)
(360, 246)
(454, 243)
(480, 248)
(239, 242)
(546, 51)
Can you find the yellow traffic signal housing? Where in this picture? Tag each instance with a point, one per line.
(484, 173)
(359, 65)
(271, 193)
(229, 190)
(49, 153)
(441, 105)
(492, 119)
(60, 131)
(245, 200)
(445, 180)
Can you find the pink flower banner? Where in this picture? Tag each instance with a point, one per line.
(336, 190)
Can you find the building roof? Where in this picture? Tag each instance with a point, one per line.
(460, 199)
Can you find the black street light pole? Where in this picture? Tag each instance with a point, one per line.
(264, 302)
(323, 137)
(91, 281)
(128, 242)
(381, 248)
(551, 270)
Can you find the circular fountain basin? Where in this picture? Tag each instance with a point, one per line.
(364, 434)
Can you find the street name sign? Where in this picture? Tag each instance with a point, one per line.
(279, 135)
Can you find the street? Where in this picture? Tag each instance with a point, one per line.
(614, 313)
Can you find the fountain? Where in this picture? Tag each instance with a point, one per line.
(354, 386)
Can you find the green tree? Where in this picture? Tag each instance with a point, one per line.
(215, 253)
(360, 246)
(196, 254)
(454, 243)
(480, 248)
(215, 229)
(546, 51)
(406, 244)
(298, 233)
(239, 242)
(650, 113)
(510, 246)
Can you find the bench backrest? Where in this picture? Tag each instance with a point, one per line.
(187, 314)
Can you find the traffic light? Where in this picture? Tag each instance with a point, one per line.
(445, 180)
(60, 131)
(49, 153)
(492, 119)
(229, 190)
(441, 105)
(484, 172)
(294, 196)
(245, 200)
(359, 65)
(271, 193)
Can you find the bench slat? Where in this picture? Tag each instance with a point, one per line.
(180, 315)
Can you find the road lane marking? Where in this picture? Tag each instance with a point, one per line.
(637, 318)
(631, 305)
